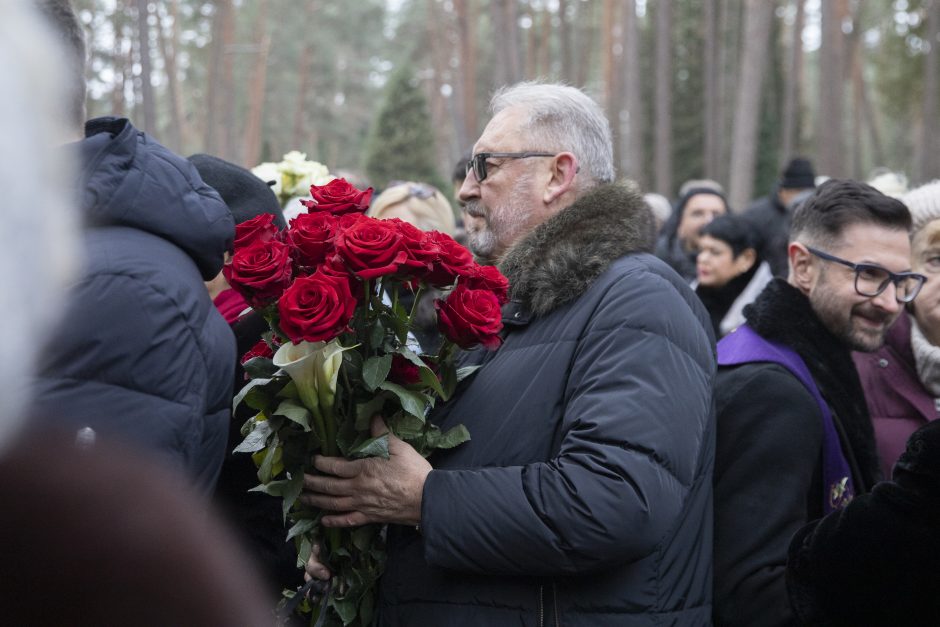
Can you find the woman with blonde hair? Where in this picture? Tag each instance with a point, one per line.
(419, 204)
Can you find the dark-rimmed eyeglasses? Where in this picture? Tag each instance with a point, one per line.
(477, 163)
(872, 280)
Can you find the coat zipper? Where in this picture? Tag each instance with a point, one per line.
(555, 604)
(541, 607)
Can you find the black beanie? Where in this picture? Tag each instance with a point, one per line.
(798, 174)
(246, 195)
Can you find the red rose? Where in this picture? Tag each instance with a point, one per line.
(316, 308)
(420, 247)
(261, 349)
(478, 277)
(403, 372)
(311, 236)
(338, 197)
(260, 272)
(371, 248)
(470, 317)
(453, 261)
(259, 228)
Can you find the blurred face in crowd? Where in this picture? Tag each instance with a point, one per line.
(506, 205)
(925, 258)
(699, 210)
(716, 263)
(860, 322)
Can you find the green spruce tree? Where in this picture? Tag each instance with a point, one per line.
(401, 144)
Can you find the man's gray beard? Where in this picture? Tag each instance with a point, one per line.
(503, 228)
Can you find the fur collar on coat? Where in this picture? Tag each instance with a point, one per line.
(561, 258)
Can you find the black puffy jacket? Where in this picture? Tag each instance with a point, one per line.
(584, 496)
(142, 354)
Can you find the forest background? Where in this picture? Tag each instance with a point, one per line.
(397, 89)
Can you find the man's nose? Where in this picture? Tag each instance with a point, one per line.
(470, 188)
(888, 300)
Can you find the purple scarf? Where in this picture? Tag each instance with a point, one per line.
(744, 346)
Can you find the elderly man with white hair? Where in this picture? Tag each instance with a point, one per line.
(584, 496)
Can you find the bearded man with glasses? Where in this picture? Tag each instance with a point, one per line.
(795, 440)
(584, 496)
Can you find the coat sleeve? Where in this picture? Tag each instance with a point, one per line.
(636, 418)
(768, 446)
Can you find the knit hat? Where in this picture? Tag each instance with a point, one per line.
(246, 195)
(924, 204)
(798, 174)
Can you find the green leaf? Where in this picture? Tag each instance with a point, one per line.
(454, 436)
(295, 412)
(362, 537)
(405, 425)
(271, 457)
(375, 371)
(260, 368)
(377, 335)
(466, 371)
(257, 439)
(289, 391)
(302, 527)
(373, 447)
(346, 608)
(292, 489)
(365, 411)
(275, 488)
(429, 379)
(242, 393)
(414, 403)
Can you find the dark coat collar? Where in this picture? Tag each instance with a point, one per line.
(562, 257)
(784, 314)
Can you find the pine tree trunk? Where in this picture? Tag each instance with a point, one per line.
(149, 121)
(712, 154)
(177, 131)
(121, 61)
(929, 166)
(306, 139)
(758, 15)
(466, 38)
(252, 151)
(610, 60)
(564, 36)
(504, 15)
(663, 144)
(792, 90)
(436, 34)
(829, 127)
(632, 153)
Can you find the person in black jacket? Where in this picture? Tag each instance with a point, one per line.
(877, 561)
(771, 214)
(794, 436)
(142, 355)
(584, 495)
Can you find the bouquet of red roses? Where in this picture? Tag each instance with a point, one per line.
(332, 289)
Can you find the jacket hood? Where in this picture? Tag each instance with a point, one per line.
(562, 257)
(128, 179)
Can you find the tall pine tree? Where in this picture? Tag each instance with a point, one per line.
(401, 144)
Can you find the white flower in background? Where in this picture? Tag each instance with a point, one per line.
(293, 176)
(268, 172)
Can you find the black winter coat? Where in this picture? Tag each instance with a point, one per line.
(142, 353)
(771, 220)
(584, 496)
(768, 464)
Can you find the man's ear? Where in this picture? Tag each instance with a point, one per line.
(803, 267)
(563, 170)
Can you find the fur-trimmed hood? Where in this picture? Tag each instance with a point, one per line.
(559, 260)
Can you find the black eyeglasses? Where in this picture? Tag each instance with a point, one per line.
(477, 162)
(872, 280)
